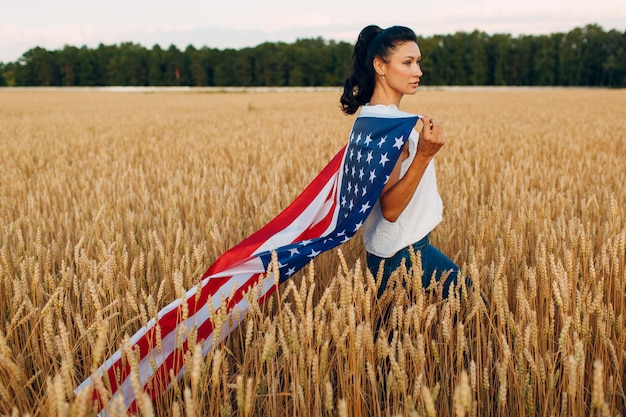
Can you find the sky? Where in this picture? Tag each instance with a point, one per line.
(25, 24)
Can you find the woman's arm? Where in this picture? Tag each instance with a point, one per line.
(397, 193)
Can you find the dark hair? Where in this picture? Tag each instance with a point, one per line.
(373, 42)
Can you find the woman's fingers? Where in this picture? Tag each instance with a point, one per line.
(432, 130)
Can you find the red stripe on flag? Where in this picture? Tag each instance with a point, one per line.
(316, 230)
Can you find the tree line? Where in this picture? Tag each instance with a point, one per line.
(584, 56)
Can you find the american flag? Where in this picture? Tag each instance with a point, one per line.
(327, 213)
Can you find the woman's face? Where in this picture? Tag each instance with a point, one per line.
(402, 69)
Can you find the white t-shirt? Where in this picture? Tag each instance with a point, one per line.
(423, 213)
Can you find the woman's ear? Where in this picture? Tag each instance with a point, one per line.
(379, 66)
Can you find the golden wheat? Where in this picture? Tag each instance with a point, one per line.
(113, 204)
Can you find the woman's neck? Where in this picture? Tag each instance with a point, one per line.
(385, 96)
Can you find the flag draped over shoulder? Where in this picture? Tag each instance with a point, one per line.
(327, 213)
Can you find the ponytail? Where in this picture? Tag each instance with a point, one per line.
(373, 42)
(359, 86)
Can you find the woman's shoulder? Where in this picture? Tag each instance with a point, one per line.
(382, 110)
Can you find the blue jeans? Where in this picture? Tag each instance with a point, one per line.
(433, 262)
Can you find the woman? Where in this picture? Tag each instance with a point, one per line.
(385, 67)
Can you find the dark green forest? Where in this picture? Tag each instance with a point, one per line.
(585, 56)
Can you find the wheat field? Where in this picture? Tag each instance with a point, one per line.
(112, 204)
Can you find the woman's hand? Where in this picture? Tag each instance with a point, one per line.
(430, 138)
